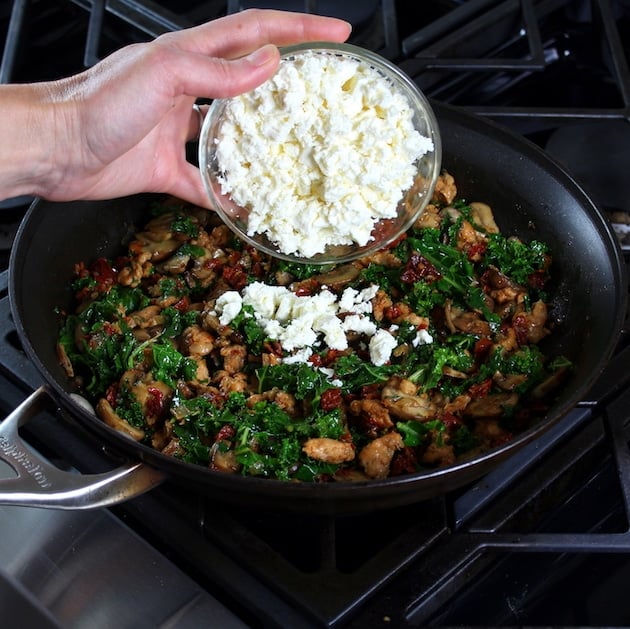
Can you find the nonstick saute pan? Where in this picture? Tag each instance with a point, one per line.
(531, 196)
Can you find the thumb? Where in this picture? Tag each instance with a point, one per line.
(240, 75)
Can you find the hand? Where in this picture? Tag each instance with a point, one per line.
(121, 127)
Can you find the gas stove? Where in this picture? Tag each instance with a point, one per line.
(544, 540)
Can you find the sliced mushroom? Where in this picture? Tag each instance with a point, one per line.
(445, 189)
(175, 264)
(493, 405)
(105, 411)
(339, 276)
(148, 317)
(548, 386)
(483, 216)
(223, 460)
(64, 361)
(407, 406)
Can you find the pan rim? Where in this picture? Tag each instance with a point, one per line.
(335, 491)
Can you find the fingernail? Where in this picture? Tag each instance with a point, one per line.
(263, 55)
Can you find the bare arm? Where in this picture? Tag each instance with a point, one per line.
(121, 127)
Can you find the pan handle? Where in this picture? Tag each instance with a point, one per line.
(38, 483)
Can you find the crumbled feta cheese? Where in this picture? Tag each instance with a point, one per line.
(300, 356)
(302, 322)
(360, 324)
(319, 153)
(422, 338)
(354, 301)
(381, 346)
(227, 306)
(329, 373)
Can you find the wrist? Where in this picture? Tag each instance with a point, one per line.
(27, 126)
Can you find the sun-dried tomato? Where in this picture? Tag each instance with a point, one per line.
(235, 276)
(331, 356)
(273, 347)
(476, 250)
(370, 392)
(225, 433)
(396, 241)
(482, 348)
(316, 360)
(109, 328)
(307, 287)
(103, 274)
(419, 268)
(384, 229)
(405, 461)
(452, 422)
(121, 261)
(257, 267)
(234, 257)
(521, 328)
(392, 312)
(331, 399)
(182, 304)
(537, 279)
(481, 389)
(156, 402)
(111, 394)
(214, 264)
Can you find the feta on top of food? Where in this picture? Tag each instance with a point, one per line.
(422, 338)
(381, 346)
(319, 153)
(302, 322)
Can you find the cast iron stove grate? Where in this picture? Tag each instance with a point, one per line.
(512, 540)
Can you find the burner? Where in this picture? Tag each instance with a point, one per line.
(596, 154)
(357, 12)
(11, 213)
(374, 24)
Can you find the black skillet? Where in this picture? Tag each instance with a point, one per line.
(531, 196)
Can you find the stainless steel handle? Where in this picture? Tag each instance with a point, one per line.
(38, 483)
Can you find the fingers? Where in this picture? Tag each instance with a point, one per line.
(201, 76)
(241, 33)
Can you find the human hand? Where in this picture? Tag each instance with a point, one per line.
(121, 127)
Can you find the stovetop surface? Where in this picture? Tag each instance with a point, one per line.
(541, 541)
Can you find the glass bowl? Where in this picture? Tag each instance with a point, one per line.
(384, 228)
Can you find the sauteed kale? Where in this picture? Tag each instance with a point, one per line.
(207, 350)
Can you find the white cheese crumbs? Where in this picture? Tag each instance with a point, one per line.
(301, 322)
(354, 301)
(381, 346)
(422, 338)
(301, 356)
(319, 153)
(227, 306)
